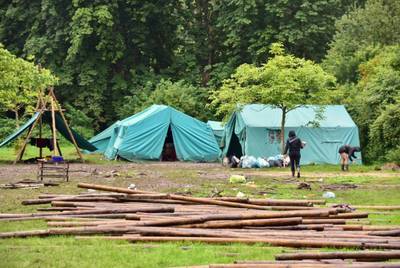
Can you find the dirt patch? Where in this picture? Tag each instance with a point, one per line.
(181, 175)
(391, 166)
(339, 186)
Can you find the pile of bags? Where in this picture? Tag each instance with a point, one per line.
(248, 161)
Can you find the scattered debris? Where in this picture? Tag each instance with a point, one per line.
(391, 166)
(346, 207)
(329, 195)
(113, 173)
(240, 195)
(339, 186)
(315, 180)
(237, 179)
(216, 193)
(31, 184)
(304, 186)
(132, 186)
(251, 184)
(95, 172)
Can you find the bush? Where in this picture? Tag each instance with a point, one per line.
(394, 155)
(7, 127)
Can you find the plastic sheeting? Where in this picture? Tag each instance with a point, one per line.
(142, 136)
(255, 130)
(60, 125)
(16, 134)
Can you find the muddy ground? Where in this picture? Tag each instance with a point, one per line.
(161, 176)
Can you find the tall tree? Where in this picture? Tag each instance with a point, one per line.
(285, 82)
(104, 51)
(20, 83)
(180, 95)
(359, 33)
(99, 49)
(374, 103)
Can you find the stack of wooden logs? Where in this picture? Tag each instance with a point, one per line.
(359, 259)
(135, 215)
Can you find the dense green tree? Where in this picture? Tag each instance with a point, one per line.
(304, 27)
(180, 95)
(359, 35)
(374, 104)
(285, 82)
(225, 34)
(107, 51)
(97, 48)
(20, 83)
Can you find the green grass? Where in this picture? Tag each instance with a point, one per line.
(71, 252)
(9, 154)
(374, 188)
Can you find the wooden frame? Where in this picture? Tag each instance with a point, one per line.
(41, 107)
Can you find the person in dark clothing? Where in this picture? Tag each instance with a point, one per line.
(347, 153)
(294, 145)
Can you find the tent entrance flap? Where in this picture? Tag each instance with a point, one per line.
(235, 148)
(169, 152)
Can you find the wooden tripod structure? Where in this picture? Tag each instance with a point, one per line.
(43, 105)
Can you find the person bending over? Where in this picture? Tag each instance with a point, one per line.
(294, 145)
(347, 153)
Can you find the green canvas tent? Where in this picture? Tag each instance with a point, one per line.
(255, 130)
(218, 130)
(60, 125)
(143, 135)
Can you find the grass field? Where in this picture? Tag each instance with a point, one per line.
(373, 188)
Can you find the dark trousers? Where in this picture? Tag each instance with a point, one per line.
(294, 161)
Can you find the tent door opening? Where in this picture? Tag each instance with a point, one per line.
(168, 152)
(235, 148)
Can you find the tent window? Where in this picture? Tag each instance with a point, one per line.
(169, 153)
(274, 136)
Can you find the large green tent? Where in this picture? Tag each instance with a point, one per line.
(218, 130)
(255, 130)
(143, 135)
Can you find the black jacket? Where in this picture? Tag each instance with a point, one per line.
(293, 145)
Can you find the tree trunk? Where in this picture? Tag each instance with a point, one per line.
(283, 121)
(16, 118)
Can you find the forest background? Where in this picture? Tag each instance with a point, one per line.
(110, 59)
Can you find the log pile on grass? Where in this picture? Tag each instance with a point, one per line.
(141, 216)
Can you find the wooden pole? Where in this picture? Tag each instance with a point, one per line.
(307, 265)
(40, 137)
(21, 151)
(381, 255)
(350, 215)
(39, 103)
(267, 202)
(53, 127)
(176, 197)
(111, 189)
(76, 198)
(66, 125)
(241, 223)
(296, 243)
